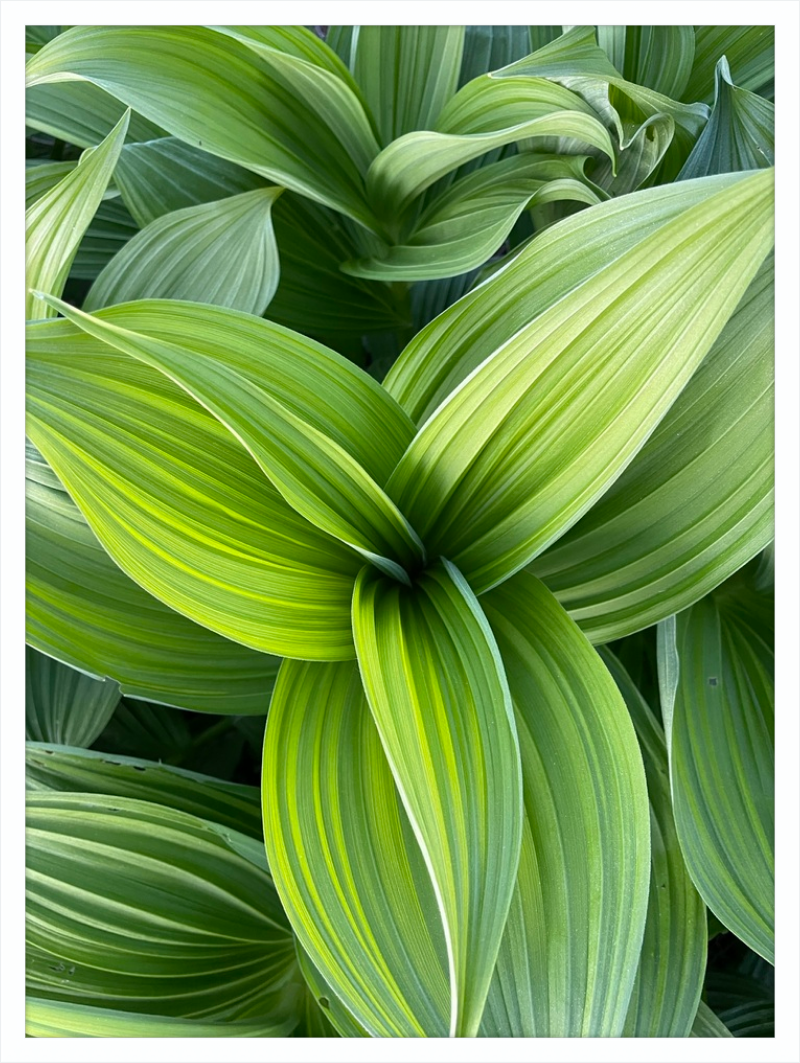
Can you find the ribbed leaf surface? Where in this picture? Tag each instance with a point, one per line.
(63, 705)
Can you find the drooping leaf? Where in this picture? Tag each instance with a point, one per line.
(84, 610)
(178, 503)
(295, 406)
(706, 1024)
(742, 1003)
(574, 930)
(223, 253)
(65, 706)
(740, 134)
(750, 50)
(672, 964)
(576, 393)
(81, 113)
(438, 693)
(696, 502)
(55, 223)
(715, 664)
(659, 57)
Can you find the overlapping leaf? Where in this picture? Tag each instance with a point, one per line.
(63, 705)
(750, 50)
(706, 1024)
(81, 113)
(660, 57)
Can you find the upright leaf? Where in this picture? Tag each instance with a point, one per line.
(660, 57)
(750, 50)
(65, 706)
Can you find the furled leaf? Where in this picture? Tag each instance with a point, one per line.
(56, 222)
(281, 116)
(696, 502)
(574, 931)
(639, 157)
(706, 1024)
(750, 50)
(438, 693)
(84, 610)
(223, 253)
(63, 705)
(296, 406)
(576, 393)
(671, 968)
(660, 57)
(407, 74)
(740, 134)
(178, 503)
(56, 768)
(716, 664)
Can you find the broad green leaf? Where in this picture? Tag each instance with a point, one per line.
(490, 47)
(81, 113)
(407, 74)
(55, 224)
(56, 768)
(721, 728)
(84, 610)
(485, 114)
(295, 406)
(344, 858)
(41, 176)
(36, 36)
(111, 228)
(576, 393)
(750, 50)
(740, 134)
(139, 907)
(223, 253)
(706, 1024)
(438, 693)
(659, 57)
(58, 1018)
(574, 931)
(335, 1018)
(696, 502)
(273, 113)
(63, 705)
(467, 223)
(671, 968)
(299, 41)
(177, 502)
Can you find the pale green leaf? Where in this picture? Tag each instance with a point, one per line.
(576, 393)
(750, 50)
(638, 157)
(56, 222)
(81, 113)
(41, 176)
(223, 253)
(63, 705)
(438, 693)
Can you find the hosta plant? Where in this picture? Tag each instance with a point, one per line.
(410, 388)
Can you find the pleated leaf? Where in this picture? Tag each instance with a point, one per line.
(55, 224)
(740, 134)
(659, 57)
(177, 502)
(109, 231)
(328, 1015)
(141, 908)
(407, 74)
(706, 1024)
(715, 667)
(696, 502)
(81, 113)
(65, 706)
(223, 253)
(490, 47)
(40, 177)
(575, 394)
(750, 50)
(269, 111)
(671, 968)
(438, 693)
(574, 931)
(294, 405)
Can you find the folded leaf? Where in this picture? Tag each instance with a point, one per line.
(178, 502)
(65, 706)
(696, 502)
(41, 176)
(55, 224)
(660, 57)
(574, 930)
(575, 394)
(718, 711)
(750, 50)
(223, 253)
(437, 691)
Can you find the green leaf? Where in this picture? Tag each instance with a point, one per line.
(40, 177)
(145, 909)
(437, 691)
(273, 113)
(574, 931)
(639, 157)
(109, 231)
(696, 502)
(489, 47)
(576, 393)
(659, 57)
(671, 968)
(56, 768)
(344, 857)
(295, 406)
(223, 253)
(750, 50)
(721, 730)
(706, 1024)
(84, 610)
(81, 113)
(63, 705)
(740, 134)
(743, 1002)
(55, 224)
(176, 501)
(335, 1018)
(407, 74)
